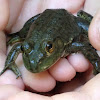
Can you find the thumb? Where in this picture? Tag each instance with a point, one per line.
(94, 31)
(89, 91)
(92, 88)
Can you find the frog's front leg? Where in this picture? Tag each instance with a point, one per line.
(88, 51)
(21, 35)
(10, 61)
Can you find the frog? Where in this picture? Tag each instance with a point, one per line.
(49, 36)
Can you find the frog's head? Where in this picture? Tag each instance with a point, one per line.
(40, 56)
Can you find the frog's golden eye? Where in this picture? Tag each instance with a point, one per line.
(49, 47)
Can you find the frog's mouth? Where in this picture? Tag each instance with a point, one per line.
(46, 65)
(43, 64)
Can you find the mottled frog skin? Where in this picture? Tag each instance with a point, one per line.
(47, 37)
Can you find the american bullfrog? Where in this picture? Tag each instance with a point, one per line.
(47, 37)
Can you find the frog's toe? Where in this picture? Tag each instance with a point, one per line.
(15, 69)
(3, 70)
(19, 76)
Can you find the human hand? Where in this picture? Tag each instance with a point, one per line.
(53, 70)
(59, 71)
(87, 91)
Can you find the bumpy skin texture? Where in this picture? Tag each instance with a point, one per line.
(47, 37)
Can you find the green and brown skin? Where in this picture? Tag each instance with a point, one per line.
(47, 37)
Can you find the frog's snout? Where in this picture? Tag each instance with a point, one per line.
(32, 61)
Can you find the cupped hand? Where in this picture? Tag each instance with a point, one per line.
(63, 70)
(45, 81)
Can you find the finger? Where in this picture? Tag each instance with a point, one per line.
(90, 91)
(4, 13)
(32, 8)
(94, 31)
(63, 96)
(62, 70)
(28, 96)
(15, 9)
(92, 88)
(79, 62)
(41, 82)
(65, 70)
(7, 91)
(72, 6)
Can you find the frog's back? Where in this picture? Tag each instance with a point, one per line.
(54, 23)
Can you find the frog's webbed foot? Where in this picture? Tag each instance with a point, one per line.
(93, 57)
(89, 52)
(12, 67)
(10, 61)
(82, 14)
(21, 35)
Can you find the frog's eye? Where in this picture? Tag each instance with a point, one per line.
(49, 47)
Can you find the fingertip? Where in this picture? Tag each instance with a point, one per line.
(94, 31)
(79, 62)
(62, 70)
(41, 82)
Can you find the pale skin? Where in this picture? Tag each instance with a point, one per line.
(59, 71)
